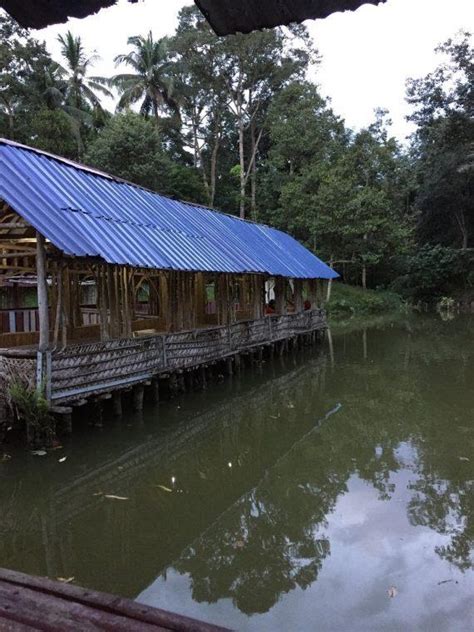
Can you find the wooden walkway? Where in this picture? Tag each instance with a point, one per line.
(37, 603)
(78, 372)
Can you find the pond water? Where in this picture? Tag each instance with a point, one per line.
(329, 491)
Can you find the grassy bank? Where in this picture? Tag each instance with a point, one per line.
(347, 301)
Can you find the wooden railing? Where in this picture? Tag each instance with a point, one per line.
(13, 321)
(87, 369)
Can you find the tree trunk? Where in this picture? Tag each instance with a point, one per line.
(364, 276)
(253, 174)
(242, 167)
(462, 228)
(215, 150)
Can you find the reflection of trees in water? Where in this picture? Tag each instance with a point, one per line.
(443, 494)
(448, 508)
(427, 405)
(267, 543)
(270, 542)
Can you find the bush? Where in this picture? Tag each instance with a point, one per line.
(347, 300)
(33, 410)
(435, 271)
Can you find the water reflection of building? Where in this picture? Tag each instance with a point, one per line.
(54, 527)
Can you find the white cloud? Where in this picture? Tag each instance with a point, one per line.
(367, 54)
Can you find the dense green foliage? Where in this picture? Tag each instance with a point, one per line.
(234, 123)
(347, 300)
(436, 271)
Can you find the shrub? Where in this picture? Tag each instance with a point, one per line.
(436, 271)
(347, 300)
(33, 410)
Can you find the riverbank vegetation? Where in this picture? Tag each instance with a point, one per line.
(234, 123)
(347, 301)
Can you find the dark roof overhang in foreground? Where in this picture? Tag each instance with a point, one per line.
(86, 213)
(243, 16)
(225, 16)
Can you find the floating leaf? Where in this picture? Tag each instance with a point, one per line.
(239, 544)
(114, 497)
(65, 580)
(39, 452)
(202, 475)
(463, 458)
(392, 592)
(62, 459)
(165, 489)
(291, 405)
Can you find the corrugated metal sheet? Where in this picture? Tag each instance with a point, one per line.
(86, 213)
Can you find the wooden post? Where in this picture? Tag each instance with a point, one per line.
(298, 284)
(155, 391)
(138, 393)
(117, 403)
(42, 286)
(59, 305)
(280, 299)
(200, 298)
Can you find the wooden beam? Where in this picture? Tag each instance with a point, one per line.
(14, 255)
(10, 225)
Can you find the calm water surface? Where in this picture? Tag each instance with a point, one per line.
(294, 498)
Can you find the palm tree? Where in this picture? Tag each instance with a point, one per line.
(80, 89)
(150, 82)
(70, 88)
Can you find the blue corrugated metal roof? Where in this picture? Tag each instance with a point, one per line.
(84, 212)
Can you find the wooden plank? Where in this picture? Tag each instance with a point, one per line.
(42, 604)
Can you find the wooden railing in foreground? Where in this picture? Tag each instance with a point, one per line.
(87, 369)
(39, 603)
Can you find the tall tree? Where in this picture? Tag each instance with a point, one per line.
(23, 63)
(72, 79)
(340, 193)
(130, 147)
(443, 109)
(255, 68)
(200, 90)
(150, 82)
(81, 88)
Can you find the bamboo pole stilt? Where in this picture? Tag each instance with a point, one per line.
(42, 286)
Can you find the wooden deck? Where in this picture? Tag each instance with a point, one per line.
(38, 603)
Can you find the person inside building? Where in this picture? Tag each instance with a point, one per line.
(270, 307)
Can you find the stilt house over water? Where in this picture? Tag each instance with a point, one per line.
(104, 284)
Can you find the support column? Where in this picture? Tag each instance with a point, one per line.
(298, 284)
(42, 288)
(280, 300)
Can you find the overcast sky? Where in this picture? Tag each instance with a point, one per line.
(367, 54)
